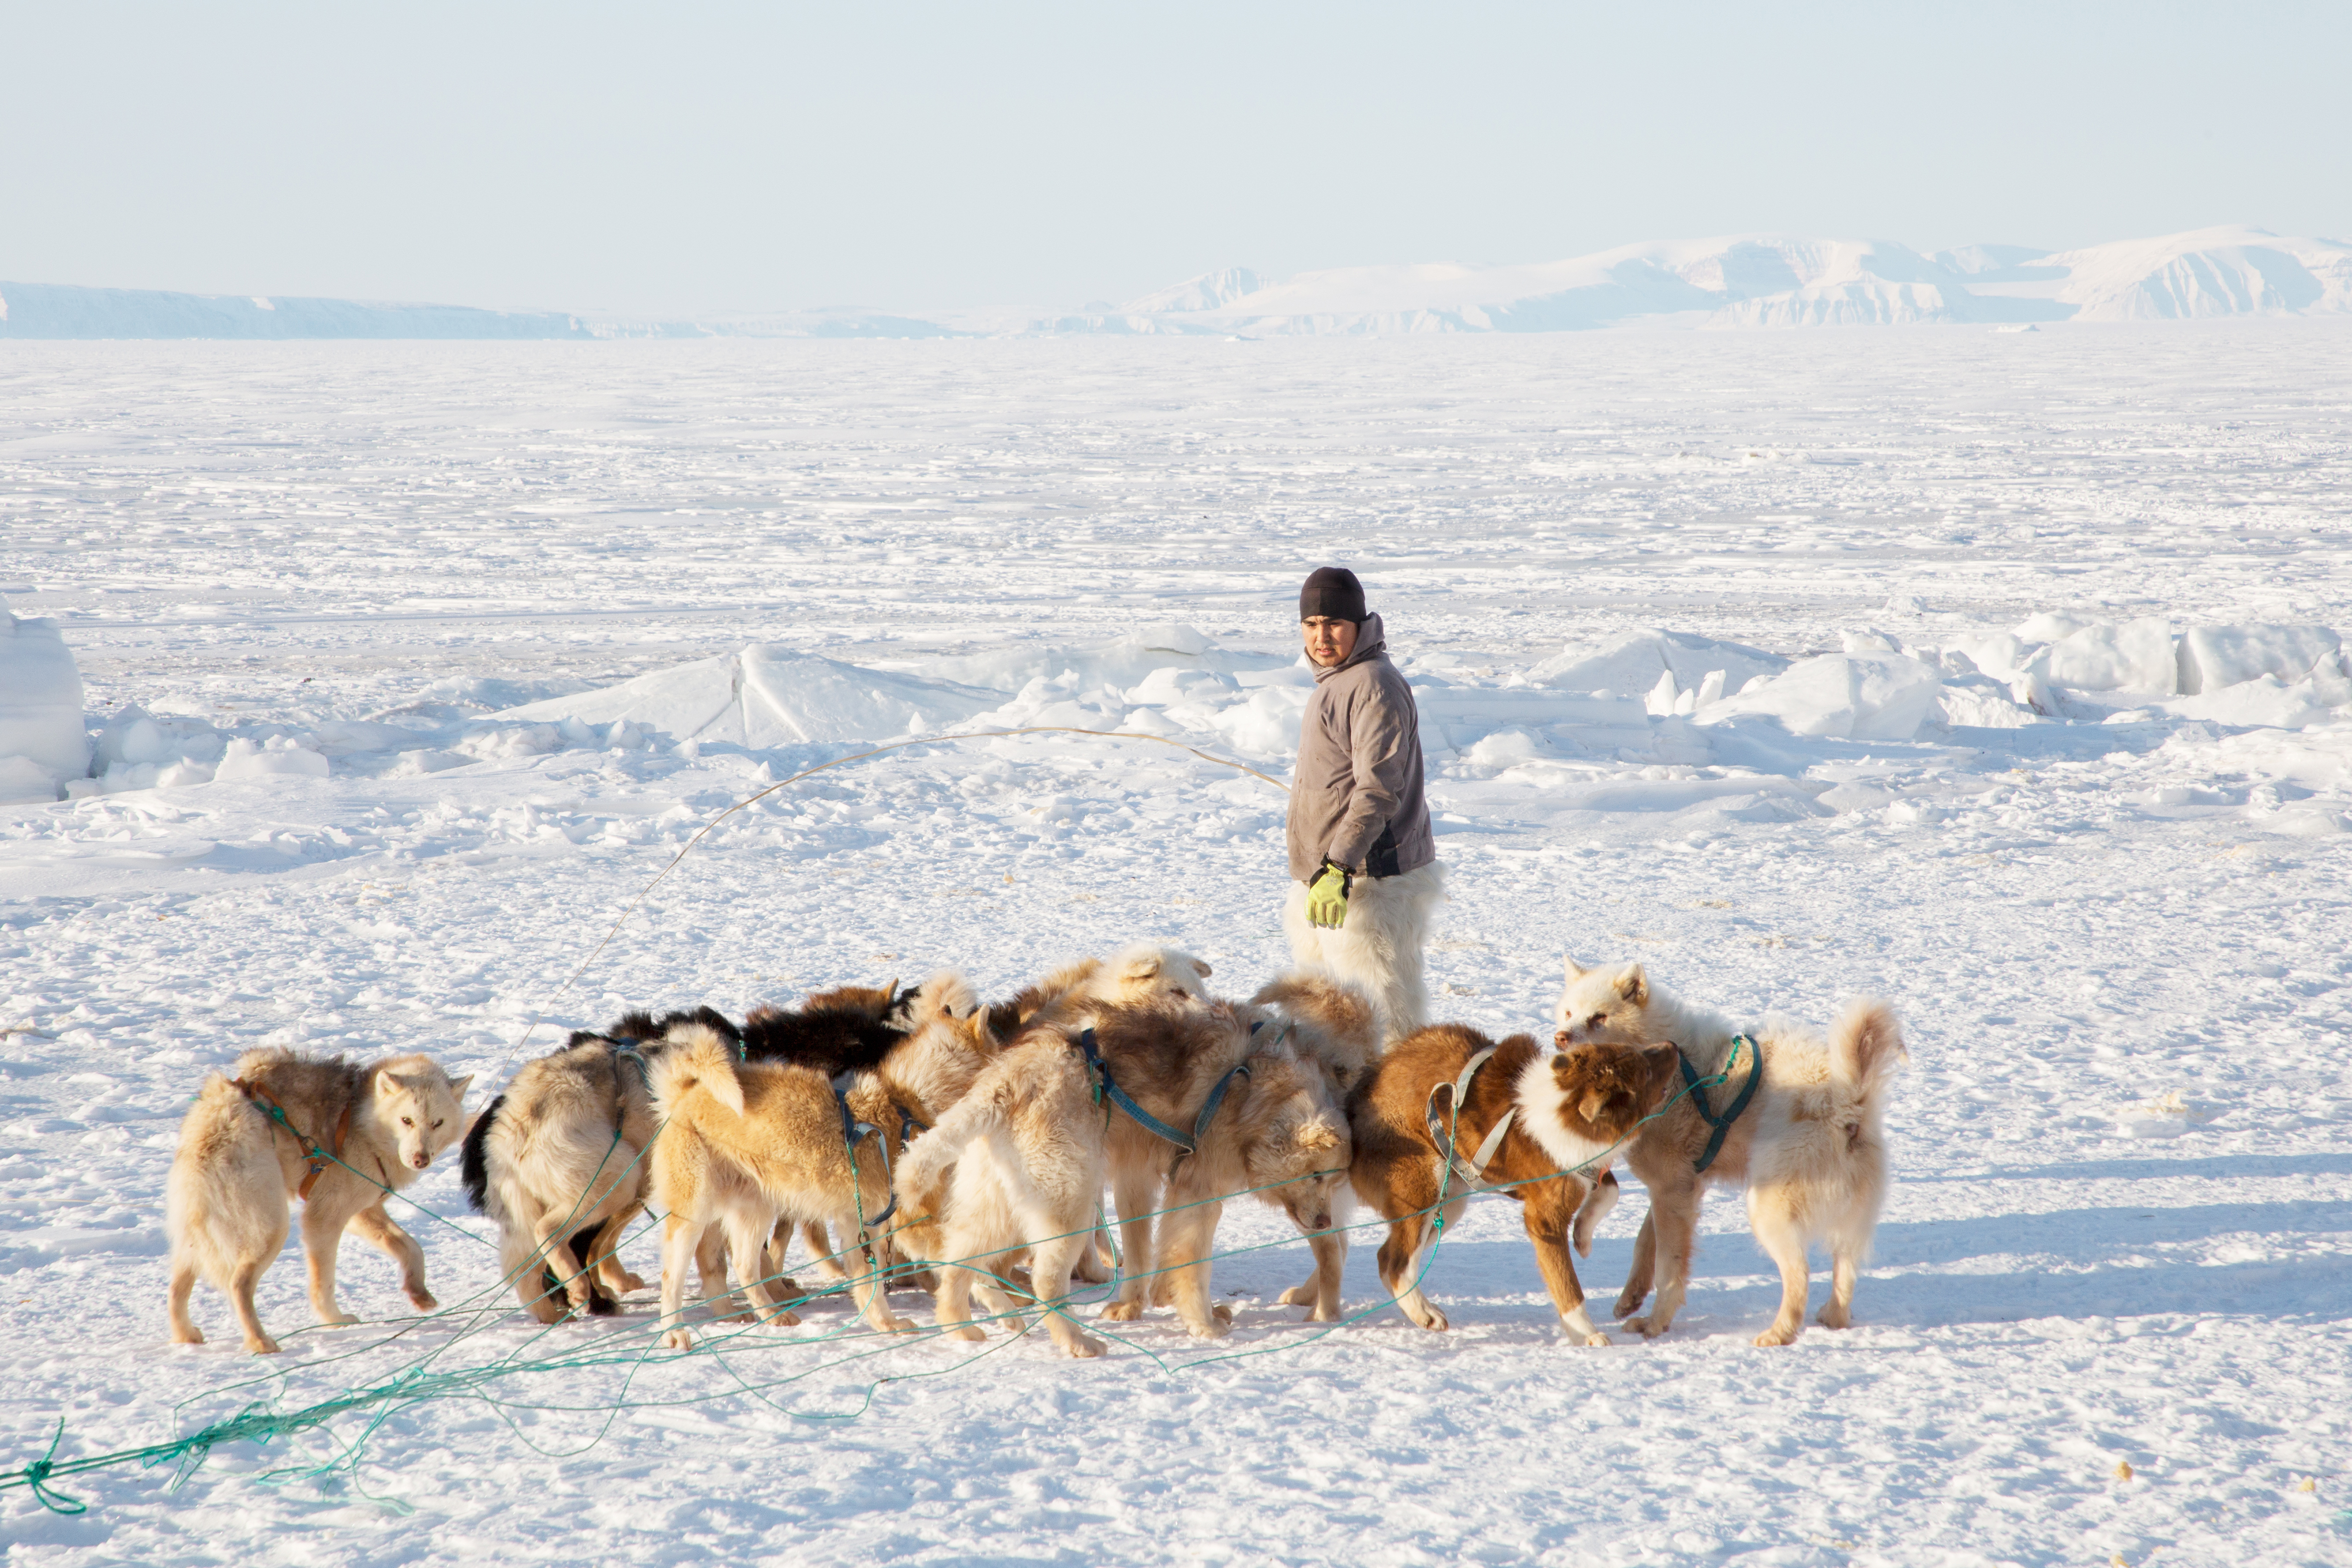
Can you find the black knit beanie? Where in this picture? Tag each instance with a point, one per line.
(1333, 591)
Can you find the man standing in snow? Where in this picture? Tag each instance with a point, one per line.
(1363, 863)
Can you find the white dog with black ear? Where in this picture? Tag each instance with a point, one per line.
(339, 1137)
(1799, 1120)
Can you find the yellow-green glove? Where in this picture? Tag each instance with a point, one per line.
(1326, 897)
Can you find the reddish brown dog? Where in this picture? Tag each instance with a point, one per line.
(1568, 1113)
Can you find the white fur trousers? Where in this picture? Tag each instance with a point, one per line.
(1380, 946)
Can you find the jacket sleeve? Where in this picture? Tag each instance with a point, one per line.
(1382, 740)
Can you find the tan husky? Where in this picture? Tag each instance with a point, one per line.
(560, 1161)
(339, 1137)
(1811, 1147)
(1016, 1171)
(1334, 1024)
(749, 1148)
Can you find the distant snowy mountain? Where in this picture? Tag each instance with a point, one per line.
(61, 310)
(1763, 280)
(2232, 271)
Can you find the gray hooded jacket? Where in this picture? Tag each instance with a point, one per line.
(1355, 797)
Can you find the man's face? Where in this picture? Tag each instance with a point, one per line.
(1329, 641)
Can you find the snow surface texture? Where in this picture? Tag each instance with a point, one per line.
(328, 578)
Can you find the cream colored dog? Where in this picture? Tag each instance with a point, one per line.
(752, 1147)
(1334, 1025)
(1016, 1171)
(1811, 1147)
(339, 1137)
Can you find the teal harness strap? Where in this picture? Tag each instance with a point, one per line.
(1186, 1144)
(1722, 1125)
(853, 1131)
(1106, 1084)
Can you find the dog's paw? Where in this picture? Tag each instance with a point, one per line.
(1121, 1311)
(264, 1345)
(1597, 1339)
(1224, 1313)
(426, 1302)
(336, 1320)
(1211, 1327)
(1299, 1295)
(678, 1338)
(1084, 1347)
(900, 1325)
(1833, 1316)
(968, 1332)
(1628, 1304)
(631, 1282)
(1434, 1320)
(783, 1318)
(1775, 1334)
(192, 1335)
(1316, 1314)
(1645, 1327)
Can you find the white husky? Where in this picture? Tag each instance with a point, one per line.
(1810, 1146)
(340, 1137)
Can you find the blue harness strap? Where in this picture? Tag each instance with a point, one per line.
(1722, 1125)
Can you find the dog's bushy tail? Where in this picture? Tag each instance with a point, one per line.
(698, 1056)
(475, 1163)
(1867, 1048)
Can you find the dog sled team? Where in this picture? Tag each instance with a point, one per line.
(923, 1139)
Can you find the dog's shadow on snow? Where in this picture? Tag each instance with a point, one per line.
(2291, 1259)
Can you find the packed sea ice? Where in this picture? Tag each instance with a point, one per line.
(352, 694)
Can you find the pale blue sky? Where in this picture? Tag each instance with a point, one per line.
(679, 158)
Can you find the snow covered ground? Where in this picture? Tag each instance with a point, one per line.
(2111, 911)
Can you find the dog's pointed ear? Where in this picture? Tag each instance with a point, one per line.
(1142, 967)
(458, 1087)
(1202, 965)
(1568, 965)
(1634, 985)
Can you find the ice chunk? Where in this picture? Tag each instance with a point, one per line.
(1852, 696)
(2135, 656)
(2004, 657)
(1634, 660)
(1983, 703)
(1267, 724)
(1661, 700)
(2050, 626)
(135, 738)
(279, 757)
(767, 697)
(40, 709)
(2212, 657)
(2268, 702)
